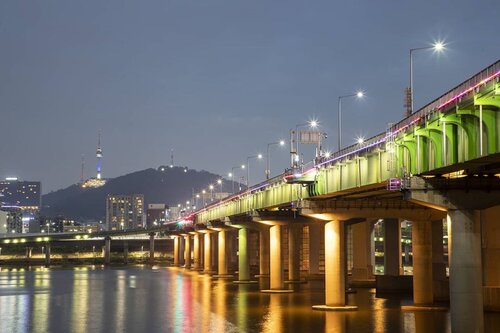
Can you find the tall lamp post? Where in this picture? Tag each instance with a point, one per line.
(359, 94)
(211, 188)
(231, 174)
(219, 181)
(203, 192)
(268, 170)
(438, 47)
(258, 156)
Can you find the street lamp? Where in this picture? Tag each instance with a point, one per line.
(211, 188)
(231, 174)
(196, 199)
(294, 151)
(437, 47)
(359, 94)
(203, 192)
(219, 181)
(258, 156)
(268, 170)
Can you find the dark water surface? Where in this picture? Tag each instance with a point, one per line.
(145, 299)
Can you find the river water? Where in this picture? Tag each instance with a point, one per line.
(160, 299)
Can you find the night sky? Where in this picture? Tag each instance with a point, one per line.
(216, 80)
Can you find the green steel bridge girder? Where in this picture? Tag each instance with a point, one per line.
(448, 135)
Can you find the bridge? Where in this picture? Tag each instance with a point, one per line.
(442, 162)
(438, 167)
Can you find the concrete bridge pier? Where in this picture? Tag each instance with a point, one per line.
(197, 265)
(222, 255)
(276, 260)
(125, 252)
(244, 255)
(393, 265)
(362, 269)
(466, 294)
(422, 263)
(264, 259)
(393, 280)
(187, 251)
(294, 246)
(152, 248)
(208, 252)
(107, 250)
(316, 238)
(176, 250)
(28, 252)
(47, 254)
(335, 297)
(491, 253)
(441, 287)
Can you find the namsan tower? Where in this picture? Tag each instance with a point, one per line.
(98, 154)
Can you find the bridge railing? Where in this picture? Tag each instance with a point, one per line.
(452, 95)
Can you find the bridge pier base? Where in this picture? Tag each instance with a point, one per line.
(335, 297)
(107, 250)
(466, 294)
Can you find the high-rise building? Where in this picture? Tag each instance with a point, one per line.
(124, 211)
(156, 215)
(25, 196)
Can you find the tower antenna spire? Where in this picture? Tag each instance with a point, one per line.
(99, 155)
(171, 158)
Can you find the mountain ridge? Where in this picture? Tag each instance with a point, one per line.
(163, 185)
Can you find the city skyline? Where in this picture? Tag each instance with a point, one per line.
(215, 82)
